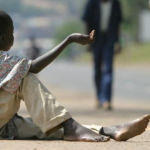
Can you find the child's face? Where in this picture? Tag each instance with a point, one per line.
(7, 38)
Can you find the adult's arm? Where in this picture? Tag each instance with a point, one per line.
(87, 15)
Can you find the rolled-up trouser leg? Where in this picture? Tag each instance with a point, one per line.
(27, 130)
(46, 112)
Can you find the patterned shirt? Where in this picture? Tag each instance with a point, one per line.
(12, 70)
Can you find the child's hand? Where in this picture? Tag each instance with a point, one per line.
(82, 39)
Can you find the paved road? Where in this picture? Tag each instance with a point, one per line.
(129, 83)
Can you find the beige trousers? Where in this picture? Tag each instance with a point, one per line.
(46, 112)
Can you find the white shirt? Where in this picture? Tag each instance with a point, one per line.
(105, 8)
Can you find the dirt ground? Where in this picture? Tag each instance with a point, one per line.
(82, 108)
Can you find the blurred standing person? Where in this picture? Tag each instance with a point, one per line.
(105, 17)
(33, 51)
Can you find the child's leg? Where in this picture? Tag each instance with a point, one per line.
(27, 130)
(49, 115)
(9, 105)
(45, 110)
(128, 130)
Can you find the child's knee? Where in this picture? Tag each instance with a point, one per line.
(30, 79)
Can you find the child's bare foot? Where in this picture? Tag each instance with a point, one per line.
(128, 130)
(73, 131)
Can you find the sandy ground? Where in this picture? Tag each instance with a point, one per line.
(82, 108)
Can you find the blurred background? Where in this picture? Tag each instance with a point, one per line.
(71, 74)
(50, 21)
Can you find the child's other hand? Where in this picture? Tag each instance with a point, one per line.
(82, 39)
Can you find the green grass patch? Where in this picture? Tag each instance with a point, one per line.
(135, 54)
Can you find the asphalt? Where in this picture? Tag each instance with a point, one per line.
(130, 82)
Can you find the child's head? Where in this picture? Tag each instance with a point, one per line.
(6, 31)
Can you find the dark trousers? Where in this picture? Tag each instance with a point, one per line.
(103, 53)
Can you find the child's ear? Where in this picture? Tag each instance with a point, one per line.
(2, 39)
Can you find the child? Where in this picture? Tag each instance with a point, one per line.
(49, 120)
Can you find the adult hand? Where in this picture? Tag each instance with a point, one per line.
(82, 38)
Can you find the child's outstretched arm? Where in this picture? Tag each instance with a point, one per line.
(44, 60)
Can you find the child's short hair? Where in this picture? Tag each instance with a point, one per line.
(5, 21)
